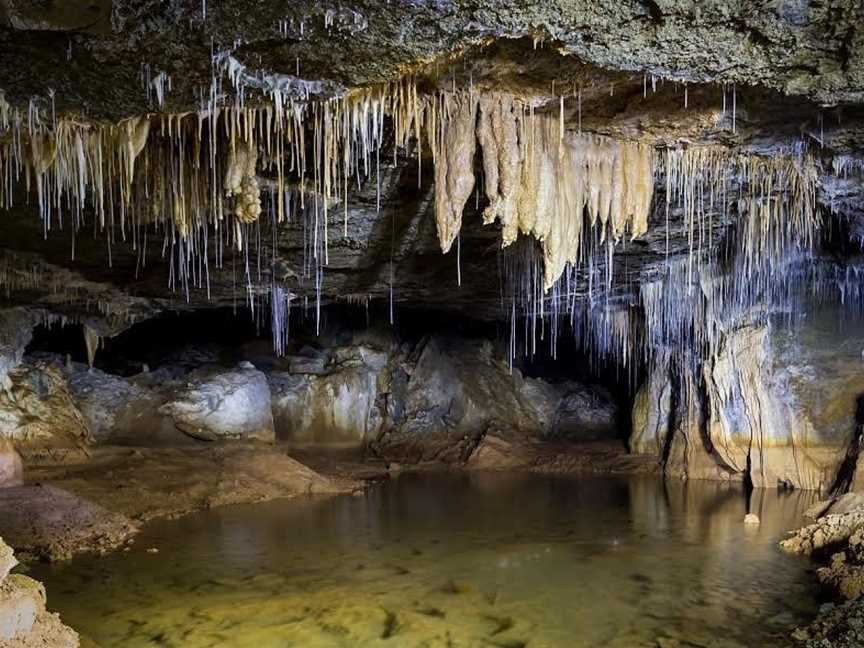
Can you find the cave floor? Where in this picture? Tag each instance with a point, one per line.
(100, 504)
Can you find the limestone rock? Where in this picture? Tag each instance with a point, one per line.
(651, 410)
(829, 530)
(454, 392)
(495, 453)
(45, 522)
(845, 503)
(838, 626)
(584, 412)
(779, 407)
(11, 469)
(333, 400)
(47, 630)
(39, 415)
(751, 519)
(24, 621)
(16, 330)
(105, 401)
(228, 405)
(21, 601)
(7, 560)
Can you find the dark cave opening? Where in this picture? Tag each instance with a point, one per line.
(190, 340)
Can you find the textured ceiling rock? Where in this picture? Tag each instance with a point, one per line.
(795, 46)
(91, 16)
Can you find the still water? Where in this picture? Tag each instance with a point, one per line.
(455, 561)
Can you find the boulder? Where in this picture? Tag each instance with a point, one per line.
(24, 621)
(106, 401)
(453, 392)
(332, 400)
(225, 405)
(584, 413)
(11, 468)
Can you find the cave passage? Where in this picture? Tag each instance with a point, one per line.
(431, 324)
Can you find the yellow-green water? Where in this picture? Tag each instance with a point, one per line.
(455, 561)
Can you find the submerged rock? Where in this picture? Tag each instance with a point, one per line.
(226, 405)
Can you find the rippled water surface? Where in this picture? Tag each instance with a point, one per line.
(455, 560)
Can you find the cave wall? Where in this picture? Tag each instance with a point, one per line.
(427, 397)
(775, 404)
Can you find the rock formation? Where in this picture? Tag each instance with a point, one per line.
(333, 396)
(649, 204)
(774, 410)
(38, 415)
(230, 405)
(11, 467)
(24, 621)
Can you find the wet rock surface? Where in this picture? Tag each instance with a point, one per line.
(24, 620)
(46, 522)
(837, 537)
(229, 405)
(100, 505)
(781, 407)
(331, 396)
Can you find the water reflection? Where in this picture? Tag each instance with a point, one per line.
(456, 560)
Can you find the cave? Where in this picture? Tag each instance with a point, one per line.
(431, 324)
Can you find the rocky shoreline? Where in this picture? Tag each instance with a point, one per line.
(836, 537)
(100, 505)
(24, 620)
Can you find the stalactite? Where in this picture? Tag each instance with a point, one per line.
(92, 341)
(539, 178)
(241, 182)
(453, 148)
(498, 135)
(198, 177)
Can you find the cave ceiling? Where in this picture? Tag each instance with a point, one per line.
(756, 78)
